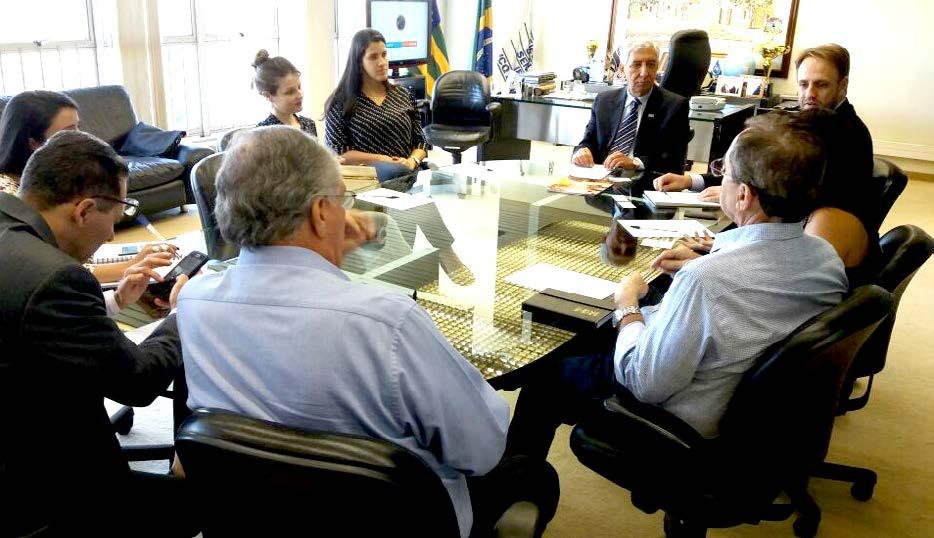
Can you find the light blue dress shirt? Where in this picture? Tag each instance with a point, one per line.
(285, 336)
(759, 283)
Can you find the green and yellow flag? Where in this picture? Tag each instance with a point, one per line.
(438, 56)
(483, 43)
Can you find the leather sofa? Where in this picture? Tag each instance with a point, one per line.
(159, 183)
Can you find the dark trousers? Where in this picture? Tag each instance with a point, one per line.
(150, 505)
(562, 392)
(514, 479)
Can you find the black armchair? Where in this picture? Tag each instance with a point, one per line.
(461, 112)
(890, 181)
(202, 186)
(904, 251)
(688, 62)
(321, 483)
(775, 431)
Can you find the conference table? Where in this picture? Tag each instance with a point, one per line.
(503, 219)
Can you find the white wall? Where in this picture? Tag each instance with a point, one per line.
(890, 42)
(891, 73)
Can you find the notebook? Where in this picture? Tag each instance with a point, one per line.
(677, 199)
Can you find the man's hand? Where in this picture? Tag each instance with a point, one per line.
(359, 228)
(618, 159)
(632, 288)
(698, 243)
(672, 182)
(153, 249)
(583, 157)
(136, 278)
(180, 281)
(672, 260)
(710, 194)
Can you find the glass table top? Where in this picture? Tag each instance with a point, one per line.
(502, 218)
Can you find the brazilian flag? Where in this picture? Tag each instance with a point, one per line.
(438, 57)
(483, 45)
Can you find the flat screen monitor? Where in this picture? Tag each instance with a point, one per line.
(405, 25)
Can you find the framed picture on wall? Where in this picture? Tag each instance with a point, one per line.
(754, 86)
(727, 85)
(736, 27)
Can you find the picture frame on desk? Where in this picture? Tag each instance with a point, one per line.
(729, 85)
(754, 86)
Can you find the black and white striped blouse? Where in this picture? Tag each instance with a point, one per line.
(393, 128)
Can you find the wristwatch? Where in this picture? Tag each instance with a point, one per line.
(621, 313)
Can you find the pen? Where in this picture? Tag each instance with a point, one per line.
(380, 196)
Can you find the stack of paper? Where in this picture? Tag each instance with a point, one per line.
(597, 172)
(349, 171)
(544, 275)
(663, 228)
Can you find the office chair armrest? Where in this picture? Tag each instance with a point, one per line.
(190, 155)
(423, 105)
(656, 419)
(494, 107)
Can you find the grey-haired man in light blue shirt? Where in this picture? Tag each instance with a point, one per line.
(760, 282)
(285, 336)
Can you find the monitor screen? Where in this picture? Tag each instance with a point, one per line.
(405, 25)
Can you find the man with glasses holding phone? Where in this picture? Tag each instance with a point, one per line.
(62, 354)
(286, 336)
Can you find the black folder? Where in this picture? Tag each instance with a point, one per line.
(570, 311)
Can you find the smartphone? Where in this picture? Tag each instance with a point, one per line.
(129, 250)
(189, 265)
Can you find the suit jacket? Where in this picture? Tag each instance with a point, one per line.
(662, 139)
(61, 357)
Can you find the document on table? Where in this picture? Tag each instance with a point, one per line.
(677, 199)
(622, 201)
(663, 228)
(393, 199)
(544, 275)
(596, 172)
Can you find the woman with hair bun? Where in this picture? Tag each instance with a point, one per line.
(279, 82)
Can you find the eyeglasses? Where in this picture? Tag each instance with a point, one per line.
(716, 167)
(348, 198)
(130, 205)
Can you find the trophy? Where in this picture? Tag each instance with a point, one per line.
(770, 50)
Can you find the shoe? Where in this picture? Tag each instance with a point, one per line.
(458, 272)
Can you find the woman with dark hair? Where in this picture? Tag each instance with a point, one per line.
(370, 121)
(279, 82)
(28, 120)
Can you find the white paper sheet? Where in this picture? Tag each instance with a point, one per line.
(393, 199)
(594, 173)
(663, 228)
(622, 201)
(544, 275)
(677, 199)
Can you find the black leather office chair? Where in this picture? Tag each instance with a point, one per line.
(288, 480)
(225, 140)
(202, 186)
(461, 112)
(776, 429)
(904, 251)
(891, 181)
(688, 62)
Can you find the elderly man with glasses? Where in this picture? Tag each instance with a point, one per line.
(62, 355)
(286, 336)
(760, 282)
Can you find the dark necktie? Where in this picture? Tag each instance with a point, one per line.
(626, 134)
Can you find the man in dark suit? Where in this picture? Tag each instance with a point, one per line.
(823, 78)
(61, 469)
(640, 126)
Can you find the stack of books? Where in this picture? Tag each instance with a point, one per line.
(540, 82)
